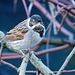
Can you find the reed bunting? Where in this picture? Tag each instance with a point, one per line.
(26, 34)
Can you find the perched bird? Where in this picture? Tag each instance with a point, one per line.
(26, 34)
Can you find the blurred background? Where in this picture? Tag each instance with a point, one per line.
(11, 15)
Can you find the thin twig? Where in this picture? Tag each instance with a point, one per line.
(62, 22)
(15, 5)
(67, 9)
(47, 44)
(70, 23)
(6, 63)
(25, 6)
(30, 7)
(53, 49)
(53, 15)
(73, 2)
(67, 2)
(66, 61)
(65, 71)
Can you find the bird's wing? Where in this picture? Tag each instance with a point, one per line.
(17, 33)
(23, 23)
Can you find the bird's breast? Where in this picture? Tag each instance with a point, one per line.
(30, 39)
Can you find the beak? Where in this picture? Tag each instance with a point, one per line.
(39, 29)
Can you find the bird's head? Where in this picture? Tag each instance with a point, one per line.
(36, 24)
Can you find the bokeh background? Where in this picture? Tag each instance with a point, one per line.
(10, 18)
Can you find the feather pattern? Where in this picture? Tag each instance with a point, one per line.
(17, 33)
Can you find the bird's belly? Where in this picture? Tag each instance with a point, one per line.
(27, 42)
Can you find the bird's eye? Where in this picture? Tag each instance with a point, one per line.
(33, 20)
(31, 25)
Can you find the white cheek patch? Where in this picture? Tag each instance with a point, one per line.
(38, 24)
(28, 23)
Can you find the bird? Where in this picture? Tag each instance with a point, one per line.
(26, 34)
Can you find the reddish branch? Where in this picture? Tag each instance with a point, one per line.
(16, 56)
(6, 63)
(65, 71)
(53, 49)
(25, 6)
(66, 2)
(11, 57)
(57, 3)
(70, 23)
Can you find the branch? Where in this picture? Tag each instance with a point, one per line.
(16, 56)
(22, 68)
(40, 66)
(6, 63)
(70, 23)
(30, 7)
(62, 22)
(51, 7)
(56, 41)
(65, 71)
(66, 61)
(67, 9)
(47, 14)
(25, 6)
(33, 59)
(53, 49)
(66, 2)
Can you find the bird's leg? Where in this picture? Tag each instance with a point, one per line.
(1, 53)
(29, 52)
(38, 72)
(23, 54)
